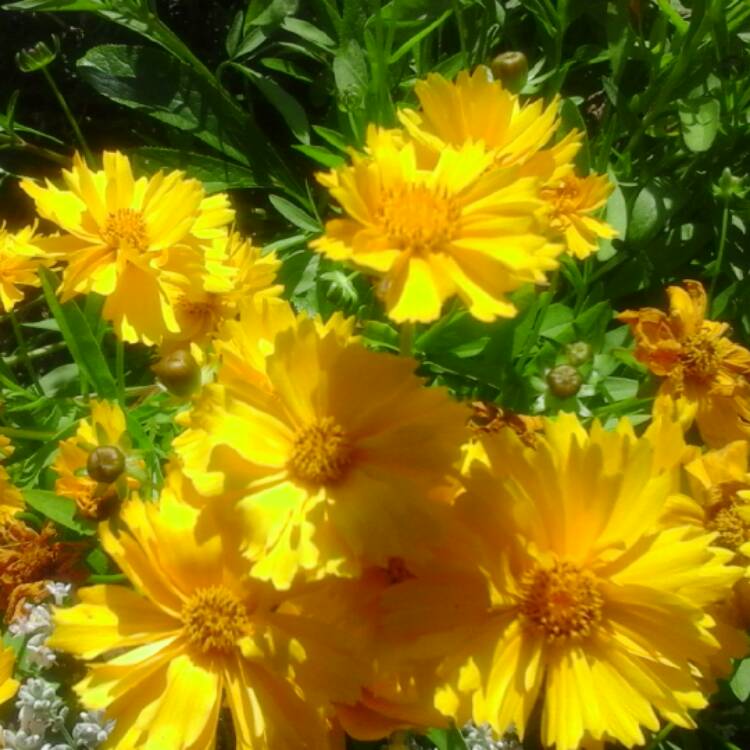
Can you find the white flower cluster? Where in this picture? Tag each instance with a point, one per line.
(482, 737)
(41, 712)
(36, 625)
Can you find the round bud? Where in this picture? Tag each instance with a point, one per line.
(512, 68)
(105, 464)
(578, 352)
(564, 381)
(178, 372)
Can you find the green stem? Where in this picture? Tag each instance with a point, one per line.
(722, 248)
(71, 119)
(406, 339)
(23, 352)
(120, 369)
(461, 31)
(18, 144)
(42, 351)
(17, 432)
(662, 734)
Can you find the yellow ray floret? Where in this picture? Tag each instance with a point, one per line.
(8, 686)
(20, 257)
(569, 592)
(198, 635)
(702, 368)
(432, 232)
(126, 236)
(336, 450)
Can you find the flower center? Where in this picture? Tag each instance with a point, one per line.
(418, 218)
(561, 602)
(321, 452)
(564, 198)
(728, 523)
(214, 620)
(699, 357)
(125, 228)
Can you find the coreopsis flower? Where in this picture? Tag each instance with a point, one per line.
(97, 467)
(430, 232)
(236, 275)
(567, 591)
(199, 634)
(572, 201)
(703, 370)
(8, 686)
(20, 257)
(11, 499)
(127, 237)
(29, 560)
(335, 454)
(475, 108)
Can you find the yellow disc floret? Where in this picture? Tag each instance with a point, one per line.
(215, 619)
(320, 452)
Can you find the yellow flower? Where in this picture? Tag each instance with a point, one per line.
(333, 452)
(236, 276)
(126, 234)
(567, 591)
(199, 634)
(20, 257)
(571, 201)
(475, 108)
(11, 500)
(95, 467)
(431, 232)
(8, 686)
(701, 367)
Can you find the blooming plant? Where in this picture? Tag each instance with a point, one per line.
(429, 431)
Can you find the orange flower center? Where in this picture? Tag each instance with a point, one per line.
(126, 228)
(321, 452)
(733, 531)
(215, 619)
(203, 316)
(699, 357)
(418, 219)
(561, 602)
(564, 198)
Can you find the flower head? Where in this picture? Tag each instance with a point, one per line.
(8, 686)
(126, 234)
(701, 367)
(95, 467)
(568, 592)
(198, 635)
(331, 451)
(430, 232)
(20, 257)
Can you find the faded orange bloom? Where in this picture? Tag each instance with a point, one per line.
(28, 560)
(703, 370)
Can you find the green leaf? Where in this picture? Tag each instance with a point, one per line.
(419, 36)
(56, 5)
(558, 323)
(269, 12)
(287, 106)
(620, 389)
(79, 338)
(294, 214)
(616, 215)
(350, 74)
(647, 216)
(321, 155)
(309, 33)
(699, 120)
(61, 510)
(148, 80)
(287, 67)
(333, 137)
(217, 175)
(447, 739)
(740, 682)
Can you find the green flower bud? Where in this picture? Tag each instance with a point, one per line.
(106, 464)
(564, 381)
(37, 57)
(178, 372)
(578, 352)
(512, 68)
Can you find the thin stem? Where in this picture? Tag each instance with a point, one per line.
(23, 352)
(42, 351)
(120, 369)
(71, 119)
(406, 339)
(722, 248)
(662, 734)
(18, 144)
(17, 432)
(461, 31)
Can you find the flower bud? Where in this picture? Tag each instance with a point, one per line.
(37, 57)
(178, 372)
(106, 464)
(578, 352)
(512, 68)
(564, 381)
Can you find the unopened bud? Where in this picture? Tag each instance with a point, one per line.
(178, 372)
(106, 464)
(578, 353)
(564, 381)
(37, 57)
(512, 68)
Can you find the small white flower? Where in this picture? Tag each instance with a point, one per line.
(20, 740)
(59, 592)
(92, 730)
(481, 737)
(39, 707)
(37, 619)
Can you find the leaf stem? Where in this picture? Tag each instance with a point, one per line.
(722, 248)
